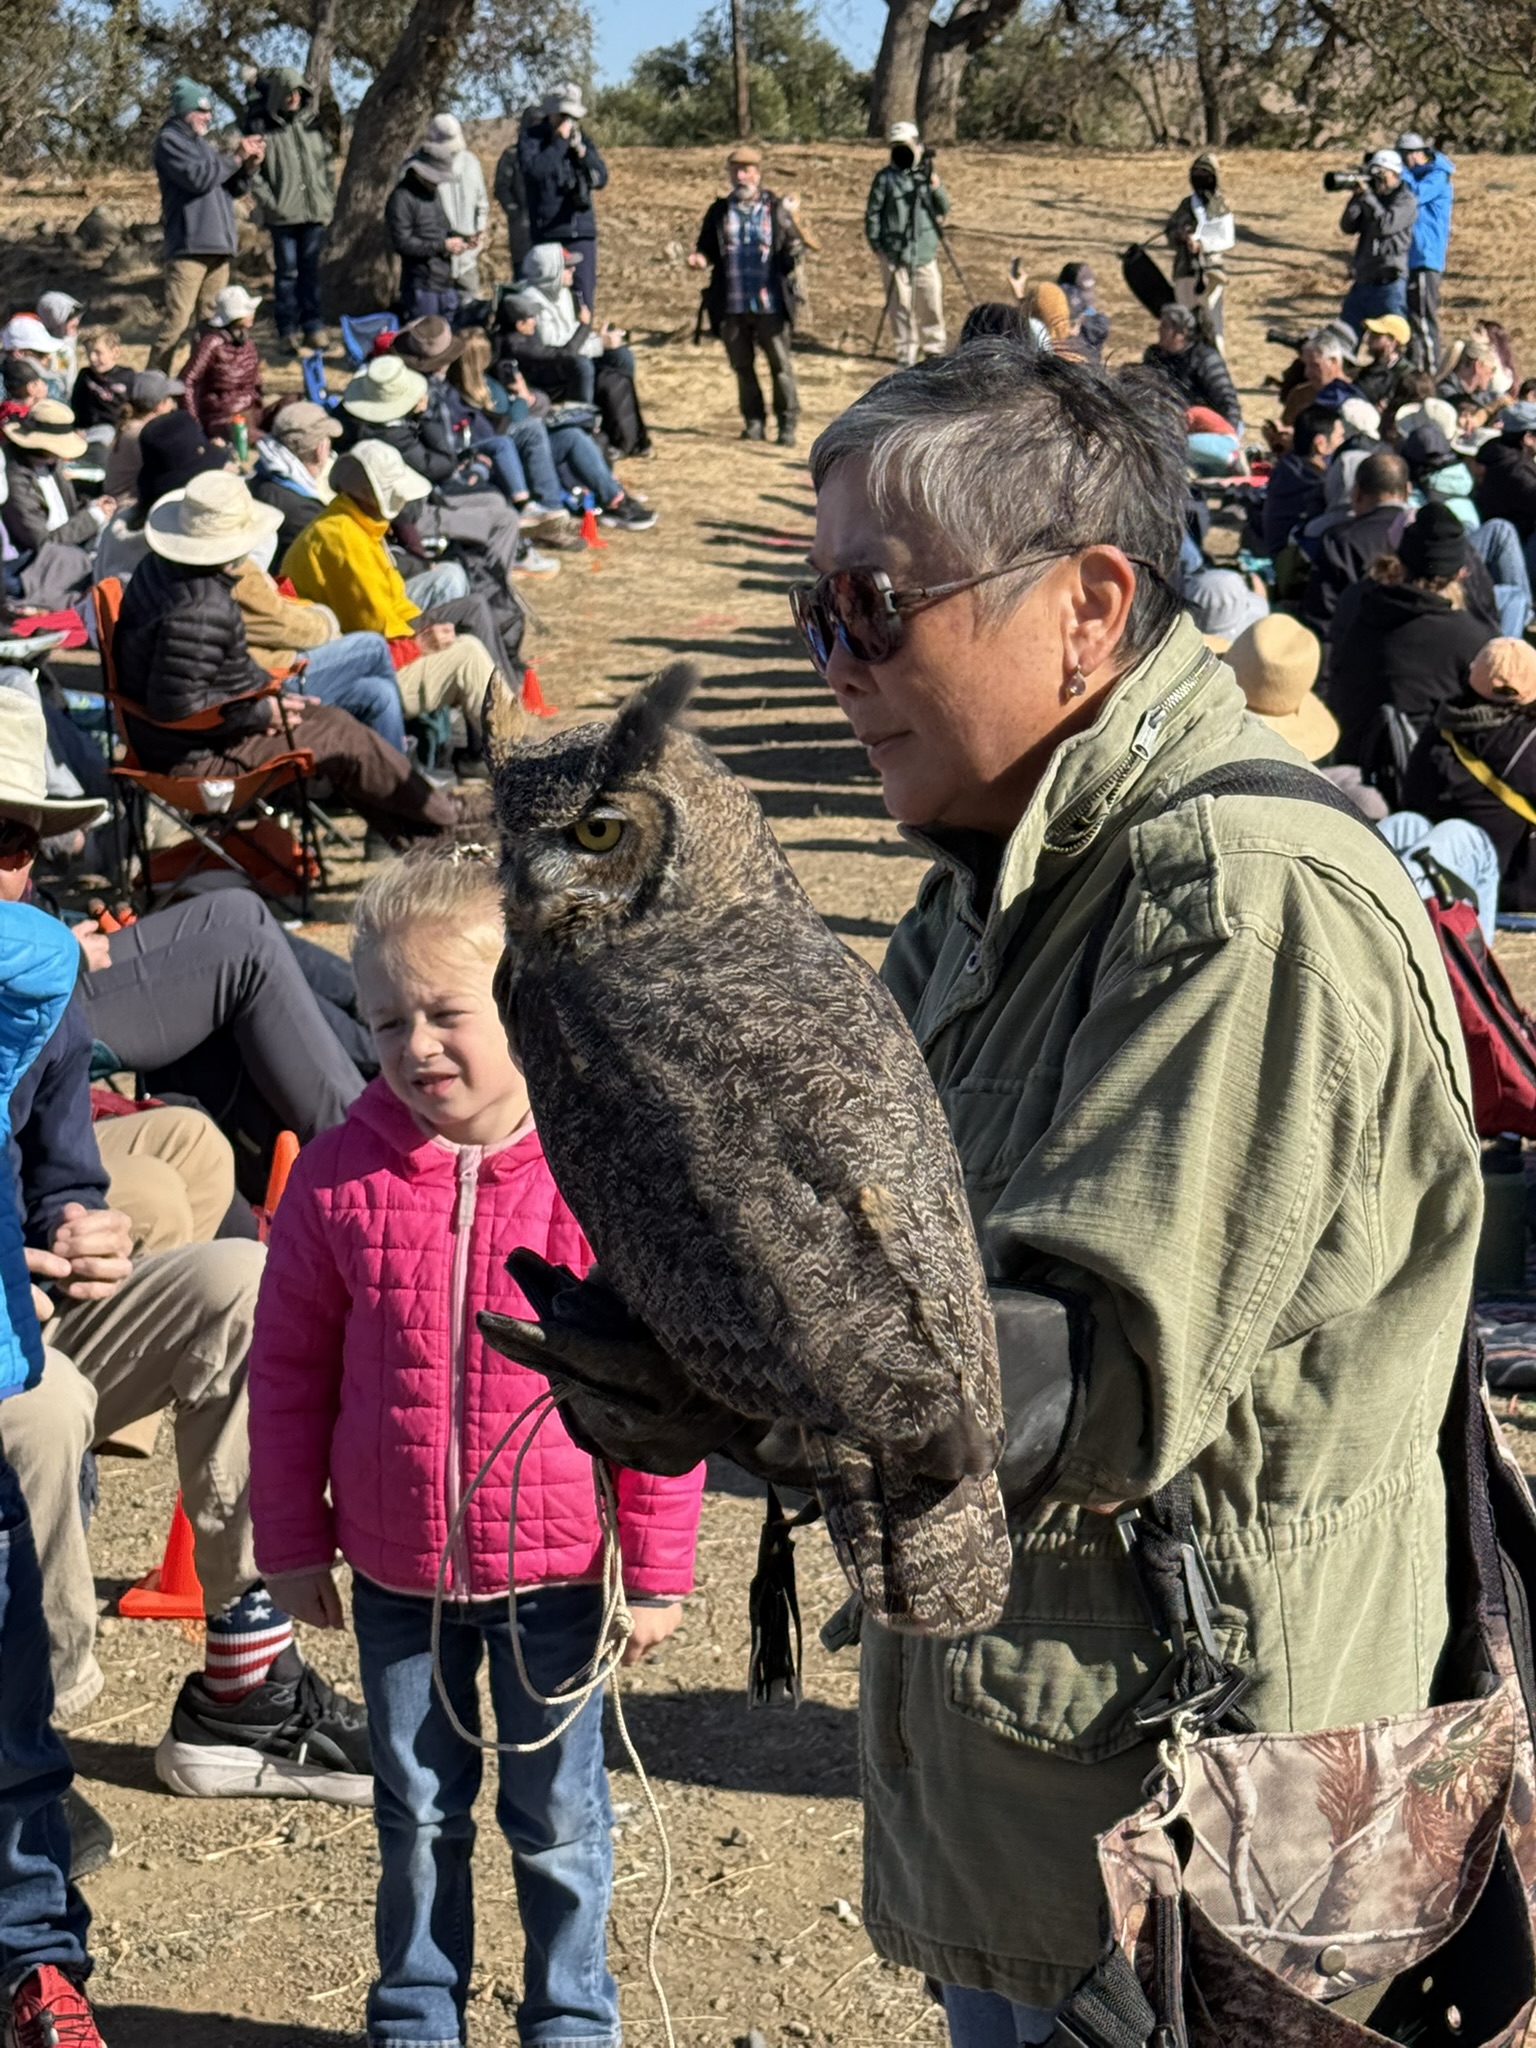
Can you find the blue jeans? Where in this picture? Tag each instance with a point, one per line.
(1371, 301)
(985, 2019)
(532, 440)
(296, 278)
(580, 461)
(43, 1919)
(440, 585)
(552, 1806)
(1457, 844)
(418, 303)
(1498, 544)
(357, 674)
(584, 284)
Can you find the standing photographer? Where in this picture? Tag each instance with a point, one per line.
(1381, 211)
(561, 170)
(901, 224)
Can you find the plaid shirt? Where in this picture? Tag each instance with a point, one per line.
(750, 283)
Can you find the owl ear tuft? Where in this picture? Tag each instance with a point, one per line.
(644, 720)
(502, 719)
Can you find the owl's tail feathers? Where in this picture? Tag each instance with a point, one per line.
(927, 1558)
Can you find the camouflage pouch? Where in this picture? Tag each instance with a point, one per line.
(1375, 1883)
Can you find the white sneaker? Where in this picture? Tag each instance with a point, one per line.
(535, 510)
(534, 564)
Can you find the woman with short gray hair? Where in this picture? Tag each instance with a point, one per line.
(1200, 1060)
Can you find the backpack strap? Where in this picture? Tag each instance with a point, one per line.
(1199, 1688)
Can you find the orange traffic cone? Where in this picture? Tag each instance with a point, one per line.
(284, 1153)
(172, 1591)
(589, 532)
(533, 697)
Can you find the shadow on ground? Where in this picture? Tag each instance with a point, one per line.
(151, 2026)
(708, 1737)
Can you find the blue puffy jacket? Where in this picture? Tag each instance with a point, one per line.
(39, 960)
(1431, 183)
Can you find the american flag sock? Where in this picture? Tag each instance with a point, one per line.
(245, 1639)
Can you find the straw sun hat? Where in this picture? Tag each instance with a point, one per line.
(212, 521)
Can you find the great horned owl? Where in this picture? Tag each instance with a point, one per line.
(735, 1110)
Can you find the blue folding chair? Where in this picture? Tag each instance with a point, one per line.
(316, 390)
(359, 332)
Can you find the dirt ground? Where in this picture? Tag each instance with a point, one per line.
(250, 1924)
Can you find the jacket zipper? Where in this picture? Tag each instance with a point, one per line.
(1081, 824)
(468, 1170)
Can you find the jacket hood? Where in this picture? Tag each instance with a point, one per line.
(1386, 605)
(544, 268)
(1475, 717)
(275, 88)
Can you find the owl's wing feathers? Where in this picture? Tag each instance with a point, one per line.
(781, 1205)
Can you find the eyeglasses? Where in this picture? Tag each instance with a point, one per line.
(862, 609)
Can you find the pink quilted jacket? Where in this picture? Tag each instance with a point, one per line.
(369, 1378)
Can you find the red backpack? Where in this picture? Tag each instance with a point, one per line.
(1500, 1036)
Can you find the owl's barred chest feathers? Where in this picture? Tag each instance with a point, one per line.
(738, 1116)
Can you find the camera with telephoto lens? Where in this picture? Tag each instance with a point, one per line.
(1345, 181)
(1281, 339)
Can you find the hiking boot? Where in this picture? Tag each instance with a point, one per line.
(91, 1840)
(531, 563)
(292, 1737)
(752, 430)
(317, 339)
(786, 433)
(555, 530)
(48, 2011)
(288, 345)
(628, 513)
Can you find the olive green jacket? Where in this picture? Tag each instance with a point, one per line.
(1249, 1161)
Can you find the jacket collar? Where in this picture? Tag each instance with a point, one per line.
(1097, 776)
(345, 507)
(380, 1110)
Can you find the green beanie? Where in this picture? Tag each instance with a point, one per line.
(187, 96)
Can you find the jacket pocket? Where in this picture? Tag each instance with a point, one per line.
(1069, 1688)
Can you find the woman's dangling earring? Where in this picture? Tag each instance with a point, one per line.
(1077, 682)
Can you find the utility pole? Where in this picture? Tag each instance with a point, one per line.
(739, 59)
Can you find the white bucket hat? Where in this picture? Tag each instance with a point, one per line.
(233, 303)
(213, 521)
(391, 479)
(387, 389)
(26, 332)
(24, 773)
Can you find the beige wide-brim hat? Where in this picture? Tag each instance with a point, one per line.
(1276, 662)
(392, 482)
(386, 390)
(48, 429)
(24, 774)
(213, 521)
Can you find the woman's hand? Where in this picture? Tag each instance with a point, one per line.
(652, 1627)
(94, 944)
(308, 1596)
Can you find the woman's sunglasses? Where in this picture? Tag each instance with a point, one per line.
(860, 608)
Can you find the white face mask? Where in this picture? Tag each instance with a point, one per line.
(323, 475)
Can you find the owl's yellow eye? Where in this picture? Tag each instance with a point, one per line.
(598, 834)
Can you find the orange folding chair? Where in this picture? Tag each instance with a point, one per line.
(239, 826)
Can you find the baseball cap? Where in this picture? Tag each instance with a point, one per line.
(1390, 323)
(303, 425)
(1519, 418)
(233, 303)
(150, 387)
(26, 331)
(565, 99)
(745, 153)
(1409, 141)
(902, 131)
(1385, 160)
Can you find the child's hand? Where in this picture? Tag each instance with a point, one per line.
(312, 1597)
(652, 1627)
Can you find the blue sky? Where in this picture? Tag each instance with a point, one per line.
(626, 27)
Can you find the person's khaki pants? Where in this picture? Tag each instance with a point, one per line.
(172, 1171)
(916, 299)
(456, 676)
(176, 1332)
(191, 285)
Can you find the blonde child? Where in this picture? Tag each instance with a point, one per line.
(374, 1403)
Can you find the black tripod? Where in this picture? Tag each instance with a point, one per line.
(924, 178)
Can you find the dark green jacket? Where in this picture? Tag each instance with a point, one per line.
(888, 217)
(1248, 1156)
(294, 183)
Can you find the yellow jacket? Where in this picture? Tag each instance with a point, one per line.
(340, 560)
